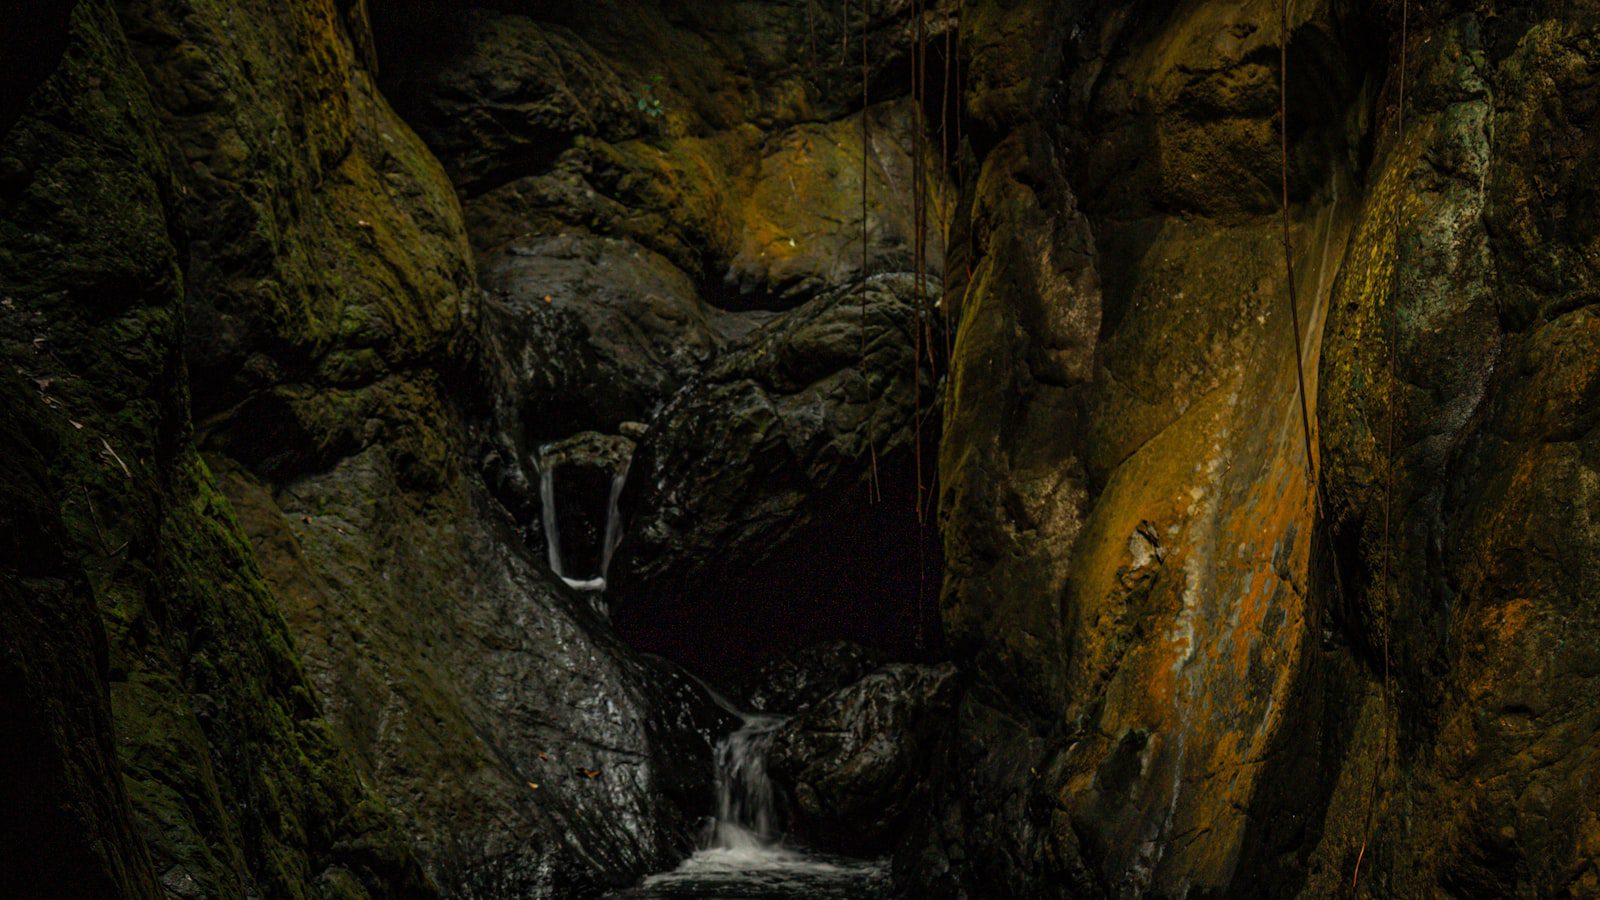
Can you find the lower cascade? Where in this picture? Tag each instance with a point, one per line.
(747, 815)
(745, 853)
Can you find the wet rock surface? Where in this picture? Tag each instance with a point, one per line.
(761, 473)
(855, 762)
(302, 581)
(1217, 681)
(69, 826)
(278, 613)
(660, 246)
(793, 682)
(211, 712)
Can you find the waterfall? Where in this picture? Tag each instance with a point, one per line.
(743, 855)
(552, 528)
(613, 522)
(747, 811)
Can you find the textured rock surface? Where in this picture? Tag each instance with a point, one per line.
(69, 828)
(1140, 583)
(235, 782)
(693, 265)
(754, 514)
(224, 194)
(334, 320)
(1468, 246)
(856, 761)
(795, 681)
(276, 616)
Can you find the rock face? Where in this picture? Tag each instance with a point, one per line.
(1258, 583)
(855, 762)
(69, 827)
(330, 655)
(226, 780)
(755, 510)
(667, 204)
(1189, 674)
(340, 416)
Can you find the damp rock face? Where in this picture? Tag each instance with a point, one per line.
(666, 214)
(279, 359)
(240, 293)
(746, 473)
(1170, 691)
(173, 707)
(855, 761)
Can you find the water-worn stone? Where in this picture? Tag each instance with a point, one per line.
(274, 447)
(340, 408)
(326, 307)
(792, 682)
(856, 762)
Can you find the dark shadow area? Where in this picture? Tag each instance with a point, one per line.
(33, 35)
(867, 573)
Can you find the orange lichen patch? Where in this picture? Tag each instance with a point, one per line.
(800, 201)
(1155, 486)
(779, 209)
(1507, 623)
(1187, 599)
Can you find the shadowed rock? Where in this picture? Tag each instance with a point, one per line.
(856, 761)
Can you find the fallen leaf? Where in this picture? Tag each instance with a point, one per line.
(542, 756)
(589, 773)
(533, 785)
(548, 298)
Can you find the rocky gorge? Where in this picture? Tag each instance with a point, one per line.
(927, 448)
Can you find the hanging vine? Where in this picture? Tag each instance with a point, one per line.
(875, 490)
(1388, 477)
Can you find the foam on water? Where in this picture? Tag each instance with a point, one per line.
(745, 856)
(766, 872)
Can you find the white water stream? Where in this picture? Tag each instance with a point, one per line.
(744, 855)
(552, 528)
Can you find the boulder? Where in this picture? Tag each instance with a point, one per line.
(793, 682)
(855, 762)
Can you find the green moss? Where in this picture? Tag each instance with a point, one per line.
(234, 779)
